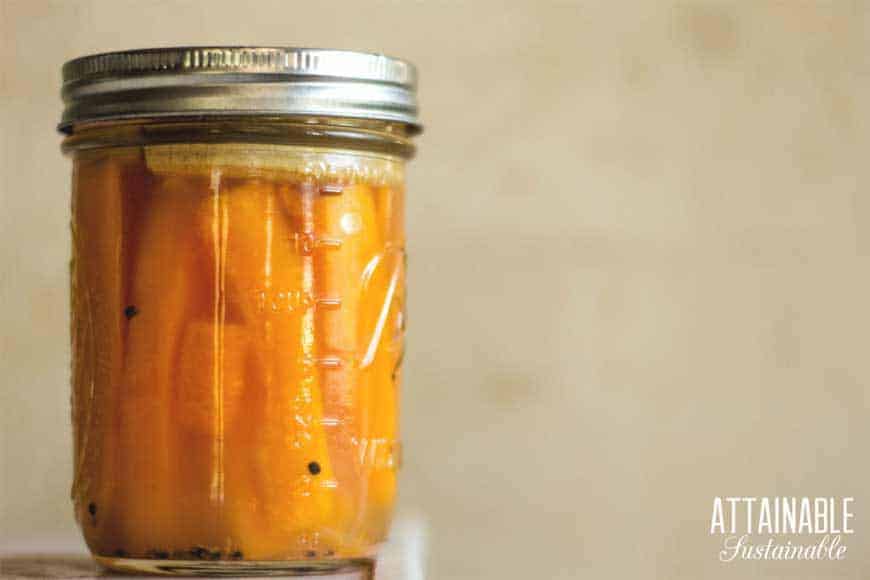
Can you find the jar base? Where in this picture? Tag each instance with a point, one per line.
(345, 569)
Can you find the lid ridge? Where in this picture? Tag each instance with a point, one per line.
(291, 81)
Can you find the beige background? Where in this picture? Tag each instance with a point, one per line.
(640, 249)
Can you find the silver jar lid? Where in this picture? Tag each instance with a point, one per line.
(238, 81)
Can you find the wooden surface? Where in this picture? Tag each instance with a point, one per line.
(77, 565)
(48, 565)
(402, 558)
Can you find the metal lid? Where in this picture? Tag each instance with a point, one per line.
(211, 81)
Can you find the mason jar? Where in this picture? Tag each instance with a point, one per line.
(238, 304)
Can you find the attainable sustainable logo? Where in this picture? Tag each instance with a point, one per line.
(782, 528)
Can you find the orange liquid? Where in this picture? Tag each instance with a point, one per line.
(237, 338)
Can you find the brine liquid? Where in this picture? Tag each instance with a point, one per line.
(237, 327)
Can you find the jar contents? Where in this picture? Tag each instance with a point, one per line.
(238, 323)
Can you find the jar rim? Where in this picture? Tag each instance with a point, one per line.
(219, 81)
(374, 137)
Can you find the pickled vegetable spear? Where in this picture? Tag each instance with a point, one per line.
(105, 190)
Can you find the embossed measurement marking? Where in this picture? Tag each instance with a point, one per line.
(307, 242)
(331, 189)
(328, 302)
(331, 421)
(329, 362)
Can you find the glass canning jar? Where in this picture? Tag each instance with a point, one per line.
(238, 292)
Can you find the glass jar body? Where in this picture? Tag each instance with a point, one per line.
(237, 333)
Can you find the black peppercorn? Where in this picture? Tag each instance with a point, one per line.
(130, 312)
(314, 468)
